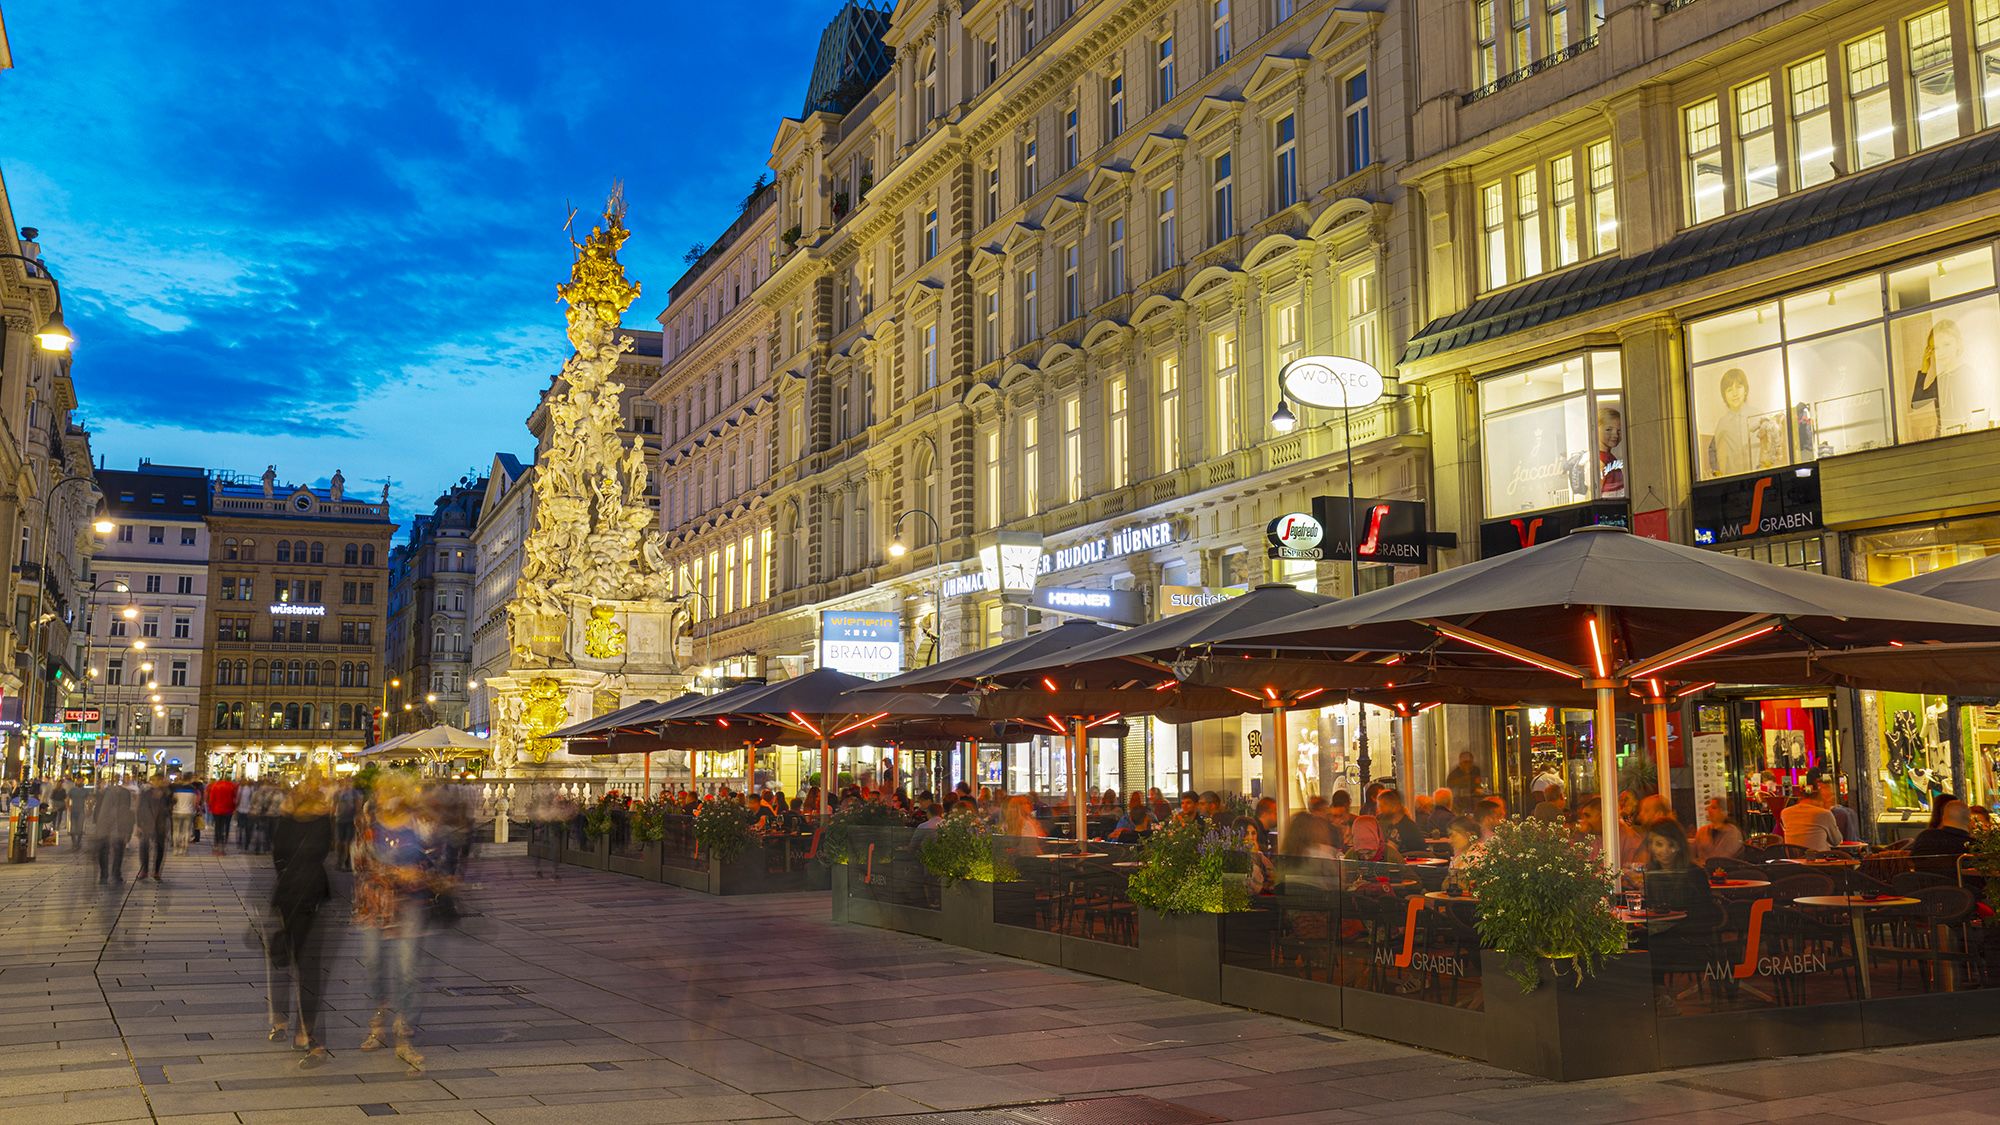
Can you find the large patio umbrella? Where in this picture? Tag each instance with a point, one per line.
(973, 671)
(603, 724)
(1975, 583)
(1133, 671)
(1607, 611)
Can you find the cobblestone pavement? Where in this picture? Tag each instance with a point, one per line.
(602, 999)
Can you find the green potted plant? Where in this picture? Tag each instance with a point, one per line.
(1188, 880)
(721, 829)
(847, 831)
(1984, 857)
(646, 825)
(973, 869)
(1544, 918)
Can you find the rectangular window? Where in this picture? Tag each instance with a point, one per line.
(177, 674)
(991, 53)
(1933, 79)
(1555, 26)
(1031, 321)
(150, 627)
(1554, 435)
(1028, 155)
(1114, 110)
(1164, 243)
(992, 193)
(1356, 133)
(114, 672)
(929, 358)
(1603, 199)
(1072, 284)
(1486, 49)
(1222, 198)
(1169, 391)
(1072, 146)
(1114, 259)
(1072, 448)
(1562, 209)
(1812, 122)
(989, 326)
(1756, 144)
(728, 580)
(1701, 139)
(152, 583)
(1282, 10)
(1528, 221)
(1029, 32)
(990, 479)
(1986, 59)
(184, 584)
(1287, 333)
(930, 234)
(1493, 231)
(1116, 438)
(1364, 330)
(187, 537)
(1228, 430)
(1031, 466)
(764, 560)
(156, 535)
(1164, 70)
(1220, 30)
(1871, 119)
(749, 574)
(1285, 161)
(183, 627)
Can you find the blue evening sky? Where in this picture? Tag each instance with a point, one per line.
(328, 235)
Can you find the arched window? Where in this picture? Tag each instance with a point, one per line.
(249, 550)
(437, 639)
(242, 671)
(318, 552)
(291, 716)
(326, 672)
(929, 98)
(361, 675)
(299, 551)
(922, 496)
(257, 672)
(346, 716)
(229, 549)
(284, 551)
(368, 554)
(297, 674)
(222, 716)
(222, 674)
(353, 554)
(306, 717)
(347, 674)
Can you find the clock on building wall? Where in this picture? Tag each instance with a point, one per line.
(302, 502)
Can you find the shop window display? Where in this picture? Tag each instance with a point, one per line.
(1900, 356)
(1554, 435)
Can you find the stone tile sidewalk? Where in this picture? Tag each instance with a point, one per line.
(604, 1000)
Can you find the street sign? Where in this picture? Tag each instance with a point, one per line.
(82, 715)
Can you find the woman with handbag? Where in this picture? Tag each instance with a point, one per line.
(301, 839)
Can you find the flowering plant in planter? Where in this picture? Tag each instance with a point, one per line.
(1543, 895)
(597, 821)
(721, 828)
(962, 848)
(1187, 869)
(1984, 857)
(649, 821)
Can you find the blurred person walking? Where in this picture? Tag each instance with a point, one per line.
(221, 801)
(301, 839)
(396, 879)
(155, 811)
(346, 806)
(186, 810)
(112, 817)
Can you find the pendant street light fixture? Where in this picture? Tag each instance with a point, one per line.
(54, 335)
(1336, 383)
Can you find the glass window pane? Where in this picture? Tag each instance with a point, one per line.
(1518, 388)
(1838, 306)
(1733, 332)
(1945, 378)
(1947, 277)
(1840, 393)
(1739, 413)
(1538, 457)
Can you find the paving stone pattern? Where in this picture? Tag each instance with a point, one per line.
(604, 1000)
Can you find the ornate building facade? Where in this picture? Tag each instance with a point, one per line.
(431, 599)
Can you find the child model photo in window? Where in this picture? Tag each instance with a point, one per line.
(1729, 445)
(1610, 451)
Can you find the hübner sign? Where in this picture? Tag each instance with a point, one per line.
(287, 609)
(1124, 541)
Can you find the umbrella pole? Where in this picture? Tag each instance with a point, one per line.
(1281, 764)
(1607, 775)
(749, 768)
(1662, 761)
(1076, 745)
(825, 779)
(648, 771)
(1409, 770)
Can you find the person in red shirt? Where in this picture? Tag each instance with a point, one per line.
(221, 806)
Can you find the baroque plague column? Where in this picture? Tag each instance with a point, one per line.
(591, 626)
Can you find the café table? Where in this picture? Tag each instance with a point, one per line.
(1856, 906)
(1448, 896)
(1426, 861)
(1738, 884)
(1646, 917)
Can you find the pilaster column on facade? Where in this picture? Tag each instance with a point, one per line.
(1450, 210)
(1659, 465)
(1645, 138)
(1456, 461)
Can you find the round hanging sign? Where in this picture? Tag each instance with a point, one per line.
(1331, 382)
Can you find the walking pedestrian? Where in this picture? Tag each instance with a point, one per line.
(154, 812)
(82, 800)
(111, 822)
(301, 839)
(221, 806)
(346, 806)
(186, 810)
(58, 805)
(396, 878)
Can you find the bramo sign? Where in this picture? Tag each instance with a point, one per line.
(1331, 382)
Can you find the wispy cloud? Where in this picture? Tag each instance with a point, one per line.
(327, 236)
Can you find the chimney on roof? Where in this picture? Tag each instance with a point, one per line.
(270, 481)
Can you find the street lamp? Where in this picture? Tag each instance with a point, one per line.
(54, 335)
(39, 642)
(1343, 384)
(897, 549)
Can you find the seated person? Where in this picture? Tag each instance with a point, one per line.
(1551, 806)
(1465, 836)
(1366, 844)
(1308, 837)
(1718, 837)
(1936, 850)
(1675, 883)
(1809, 825)
(1437, 823)
(1488, 812)
(1135, 826)
(1396, 825)
(1829, 795)
(1590, 830)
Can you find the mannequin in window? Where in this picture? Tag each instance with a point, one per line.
(1935, 392)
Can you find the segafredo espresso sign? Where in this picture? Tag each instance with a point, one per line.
(1295, 536)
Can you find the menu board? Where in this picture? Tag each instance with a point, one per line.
(1710, 760)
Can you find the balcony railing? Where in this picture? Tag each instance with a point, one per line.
(1532, 69)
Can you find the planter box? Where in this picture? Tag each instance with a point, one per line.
(645, 865)
(839, 887)
(1296, 998)
(594, 853)
(543, 842)
(1181, 954)
(968, 910)
(862, 910)
(1568, 1033)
